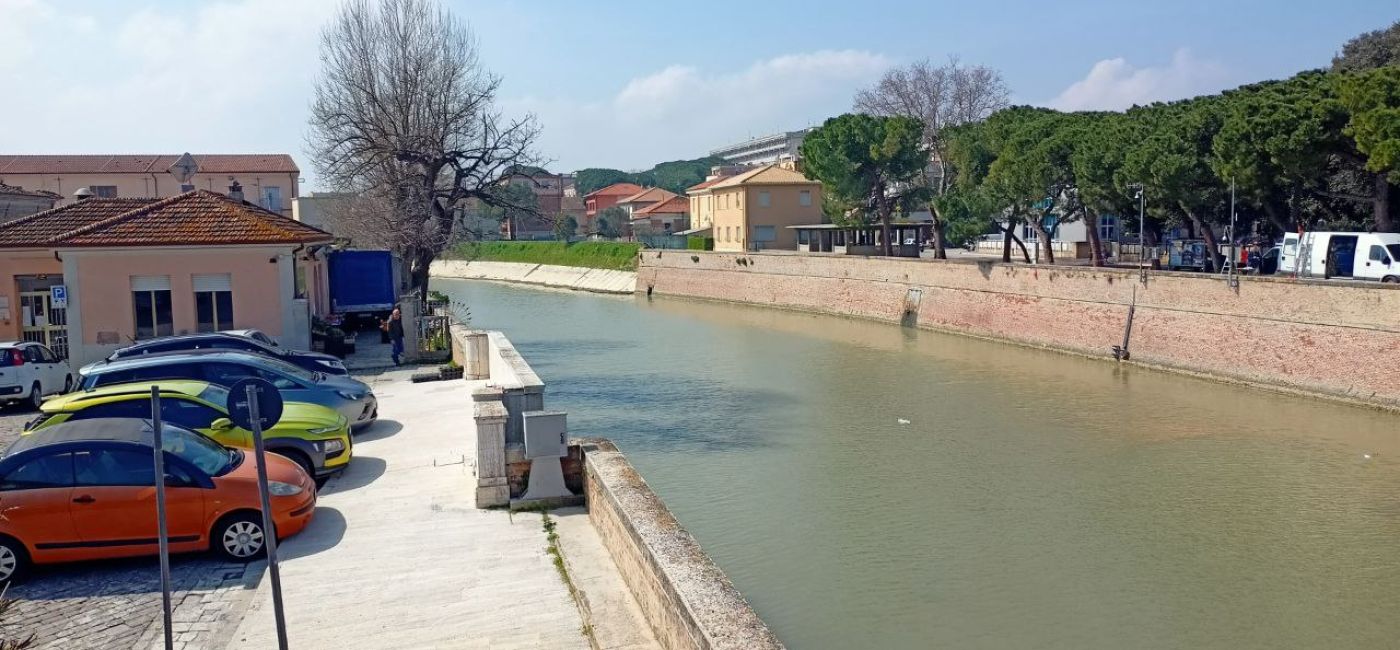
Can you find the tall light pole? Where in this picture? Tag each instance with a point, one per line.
(1233, 279)
(1142, 230)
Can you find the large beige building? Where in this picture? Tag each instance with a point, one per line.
(752, 211)
(268, 180)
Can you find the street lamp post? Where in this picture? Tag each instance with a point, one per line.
(1142, 230)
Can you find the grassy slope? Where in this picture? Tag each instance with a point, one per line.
(599, 255)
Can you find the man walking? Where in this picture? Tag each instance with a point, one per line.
(396, 334)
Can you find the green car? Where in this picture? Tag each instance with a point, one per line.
(316, 437)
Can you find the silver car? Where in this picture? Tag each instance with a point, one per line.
(351, 397)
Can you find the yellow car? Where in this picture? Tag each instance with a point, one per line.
(316, 437)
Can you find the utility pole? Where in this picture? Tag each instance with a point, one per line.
(1142, 230)
(1233, 279)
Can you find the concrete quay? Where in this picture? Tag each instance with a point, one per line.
(559, 277)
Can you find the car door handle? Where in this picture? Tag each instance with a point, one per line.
(84, 499)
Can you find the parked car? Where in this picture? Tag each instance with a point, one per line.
(84, 491)
(1353, 255)
(30, 371)
(230, 341)
(315, 437)
(350, 396)
(255, 334)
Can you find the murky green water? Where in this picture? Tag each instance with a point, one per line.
(1033, 500)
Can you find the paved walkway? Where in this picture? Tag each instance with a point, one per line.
(399, 557)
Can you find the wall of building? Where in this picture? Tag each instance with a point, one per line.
(740, 210)
(100, 283)
(13, 263)
(160, 184)
(1340, 340)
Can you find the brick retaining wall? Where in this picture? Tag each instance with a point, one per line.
(1340, 340)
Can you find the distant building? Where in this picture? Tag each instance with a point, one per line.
(663, 218)
(765, 149)
(603, 198)
(323, 210)
(18, 202)
(268, 180)
(702, 202)
(752, 211)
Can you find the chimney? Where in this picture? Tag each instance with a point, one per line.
(83, 194)
(235, 191)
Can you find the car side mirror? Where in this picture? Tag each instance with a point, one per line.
(221, 424)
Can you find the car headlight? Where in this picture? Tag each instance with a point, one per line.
(280, 489)
(335, 365)
(354, 397)
(332, 446)
(323, 430)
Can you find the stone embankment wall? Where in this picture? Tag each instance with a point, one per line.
(562, 277)
(1339, 340)
(689, 602)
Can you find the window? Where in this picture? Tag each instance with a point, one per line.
(213, 302)
(150, 295)
(804, 198)
(111, 466)
(1108, 227)
(1378, 254)
(104, 191)
(187, 414)
(131, 408)
(46, 354)
(50, 471)
(300, 281)
(1394, 250)
(765, 199)
(765, 233)
(272, 198)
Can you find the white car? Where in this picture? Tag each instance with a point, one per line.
(30, 372)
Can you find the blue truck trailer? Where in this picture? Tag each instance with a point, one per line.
(364, 284)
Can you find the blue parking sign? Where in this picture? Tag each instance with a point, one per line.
(58, 297)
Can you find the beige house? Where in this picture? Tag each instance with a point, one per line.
(268, 180)
(752, 211)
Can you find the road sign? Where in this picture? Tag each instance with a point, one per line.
(184, 169)
(58, 296)
(269, 406)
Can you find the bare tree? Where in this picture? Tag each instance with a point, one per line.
(404, 113)
(939, 96)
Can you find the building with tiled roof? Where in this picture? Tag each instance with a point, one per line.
(269, 180)
(17, 202)
(603, 198)
(99, 273)
(702, 203)
(664, 217)
(752, 211)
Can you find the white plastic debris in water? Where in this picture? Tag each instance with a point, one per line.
(1366, 456)
(904, 421)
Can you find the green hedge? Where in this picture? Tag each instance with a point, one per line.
(700, 243)
(593, 254)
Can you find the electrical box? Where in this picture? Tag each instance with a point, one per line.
(546, 434)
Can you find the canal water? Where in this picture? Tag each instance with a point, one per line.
(867, 486)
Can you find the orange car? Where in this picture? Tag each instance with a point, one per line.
(85, 490)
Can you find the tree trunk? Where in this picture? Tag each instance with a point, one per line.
(1024, 253)
(1208, 234)
(1046, 246)
(421, 260)
(939, 250)
(1384, 223)
(1005, 244)
(1091, 220)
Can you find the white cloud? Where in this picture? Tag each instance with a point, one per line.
(685, 111)
(1115, 84)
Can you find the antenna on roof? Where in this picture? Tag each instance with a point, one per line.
(183, 169)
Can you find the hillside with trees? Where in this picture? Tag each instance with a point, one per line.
(674, 176)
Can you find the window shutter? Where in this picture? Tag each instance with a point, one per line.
(211, 282)
(150, 283)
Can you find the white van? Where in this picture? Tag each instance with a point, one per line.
(1354, 255)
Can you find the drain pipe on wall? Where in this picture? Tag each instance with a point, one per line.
(1120, 352)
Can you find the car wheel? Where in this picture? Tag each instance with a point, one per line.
(240, 537)
(14, 561)
(68, 384)
(1390, 279)
(36, 396)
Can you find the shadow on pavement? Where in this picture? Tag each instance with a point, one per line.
(188, 572)
(324, 532)
(362, 471)
(378, 431)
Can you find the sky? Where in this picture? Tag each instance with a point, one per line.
(624, 83)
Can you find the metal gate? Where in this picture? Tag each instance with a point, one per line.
(40, 322)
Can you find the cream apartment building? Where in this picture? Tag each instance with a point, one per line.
(752, 211)
(268, 180)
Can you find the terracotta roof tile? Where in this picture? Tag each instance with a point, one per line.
(616, 189)
(706, 184)
(648, 194)
(674, 205)
(14, 190)
(278, 163)
(198, 218)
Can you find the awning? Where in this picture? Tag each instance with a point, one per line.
(694, 231)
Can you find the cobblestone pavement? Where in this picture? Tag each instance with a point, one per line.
(116, 604)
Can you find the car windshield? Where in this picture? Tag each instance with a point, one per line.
(296, 372)
(1394, 251)
(210, 457)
